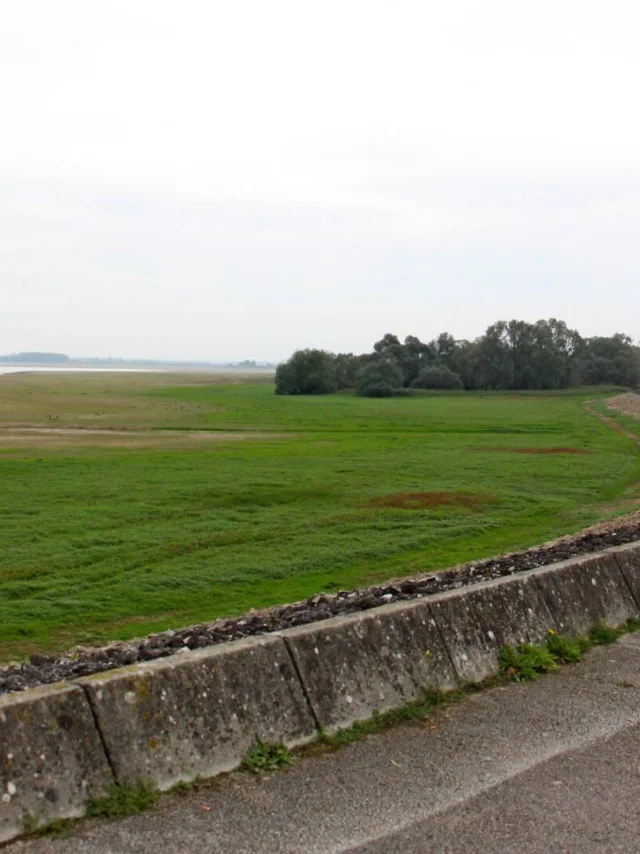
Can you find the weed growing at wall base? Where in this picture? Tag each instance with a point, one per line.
(526, 661)
(121, 801)
(265, 757)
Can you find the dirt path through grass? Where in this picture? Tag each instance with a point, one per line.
(612, 423)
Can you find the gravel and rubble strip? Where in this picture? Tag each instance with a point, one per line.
(42, 669)
(628, 404)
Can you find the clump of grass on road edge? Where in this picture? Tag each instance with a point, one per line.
(601, 635)
(429, 700)
(567, 650)
(265, 757)
(122, 801)
(526, 661)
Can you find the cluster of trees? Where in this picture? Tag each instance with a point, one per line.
(510, 355)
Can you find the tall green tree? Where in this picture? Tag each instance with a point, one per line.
(612, 360)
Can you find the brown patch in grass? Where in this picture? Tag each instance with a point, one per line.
(556, 450)
(430, 500)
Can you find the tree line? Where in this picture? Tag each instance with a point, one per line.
(37, 358)
(511, 354)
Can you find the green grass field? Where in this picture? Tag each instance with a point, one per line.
(252, 499)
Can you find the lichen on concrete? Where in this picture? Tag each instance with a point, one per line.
(582, 592)
(380, 660)
(51, 757)
(198, 713)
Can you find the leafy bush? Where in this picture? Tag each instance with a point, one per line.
(307, 372)
(379, 378)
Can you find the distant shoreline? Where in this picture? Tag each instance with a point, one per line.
(129, 368)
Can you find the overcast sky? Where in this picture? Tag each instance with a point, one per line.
(231, 179)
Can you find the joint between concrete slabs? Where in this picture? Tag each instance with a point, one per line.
(626, 581)
(583, 591)
(307, 696)
(103, 741)
(445, 645)
(621, 567)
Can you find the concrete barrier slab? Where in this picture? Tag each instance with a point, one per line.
(199, 713)
(51, 757)
(373, 661)
(475, 622)
(628, 558)
(586, 590)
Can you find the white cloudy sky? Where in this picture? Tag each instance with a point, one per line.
(227, 180)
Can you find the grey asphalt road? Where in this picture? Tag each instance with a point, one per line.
(541, 768)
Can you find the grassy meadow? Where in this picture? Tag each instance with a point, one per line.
(186, 497)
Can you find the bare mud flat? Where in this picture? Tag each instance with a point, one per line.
(75, 437)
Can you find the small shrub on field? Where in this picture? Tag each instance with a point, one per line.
(378, 389)
(437, 377)
(379, 378)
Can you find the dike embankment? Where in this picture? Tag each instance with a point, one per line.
(198, 712)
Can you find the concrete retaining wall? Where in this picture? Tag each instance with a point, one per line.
(198, 713)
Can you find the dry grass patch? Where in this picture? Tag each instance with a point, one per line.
(430, 500)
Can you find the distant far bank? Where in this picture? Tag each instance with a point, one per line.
(45, 362)
(165, 368)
